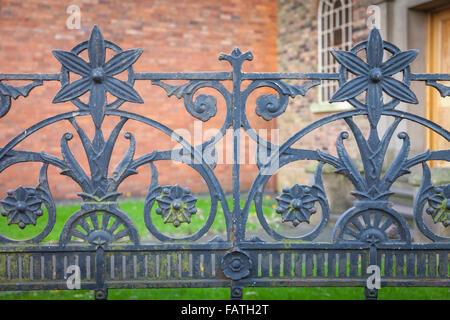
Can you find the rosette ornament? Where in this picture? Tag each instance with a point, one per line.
(176, 205)
(236, 264)
(374, 76)
(97, 76)
(440, 205)
(296, 204)
(22, 207)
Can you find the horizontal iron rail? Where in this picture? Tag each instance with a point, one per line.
(218, 75)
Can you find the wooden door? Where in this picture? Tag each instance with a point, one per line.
(438, 61)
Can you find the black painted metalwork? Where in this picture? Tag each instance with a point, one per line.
(104, 242)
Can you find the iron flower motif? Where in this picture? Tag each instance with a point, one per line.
(176, 205)
(22, 206)
(440, 205)
(97, 76)
(236, 264)
(296, 204)
(374, 76)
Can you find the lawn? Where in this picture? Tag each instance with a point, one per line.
(135, 209)
(387, 293)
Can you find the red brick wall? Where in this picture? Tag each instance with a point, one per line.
(174, 35)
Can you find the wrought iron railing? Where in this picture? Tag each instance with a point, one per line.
(110, 255)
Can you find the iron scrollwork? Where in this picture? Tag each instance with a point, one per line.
(295, 204)
(93, 223)
(371, 224)
(7, 92)
(204, 107)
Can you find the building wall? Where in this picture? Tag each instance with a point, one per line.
(176, 36)
(298, 52)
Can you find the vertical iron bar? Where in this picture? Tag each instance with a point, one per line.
(101, 293)
(236, 114)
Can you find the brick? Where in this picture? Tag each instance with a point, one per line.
(175, 36)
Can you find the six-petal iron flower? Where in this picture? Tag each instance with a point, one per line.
(374, 76)
(97, 76)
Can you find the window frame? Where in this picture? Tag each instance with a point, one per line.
(324, 31)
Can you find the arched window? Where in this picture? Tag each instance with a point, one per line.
(335, 32)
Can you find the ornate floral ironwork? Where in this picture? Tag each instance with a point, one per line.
(440, 205)
(99, 225)
(98, 187)
(374, 186)
(436, 197)
(22, 206)
(296, 204)
(236, 264)
(371, 224)
(374, 76)
(270, 106)
(444, 90)
(204, 107)
(374, 226)
(176, 205)
(205, 104)
(97, 76)
(7, 92)
(267, 105)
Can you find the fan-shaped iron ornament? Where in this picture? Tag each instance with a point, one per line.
(112, 251)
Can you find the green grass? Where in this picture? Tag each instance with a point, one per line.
(387, 293)
(135, 209)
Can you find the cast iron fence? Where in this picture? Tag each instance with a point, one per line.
(104, 242)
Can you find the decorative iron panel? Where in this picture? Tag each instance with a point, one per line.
(104, 242)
